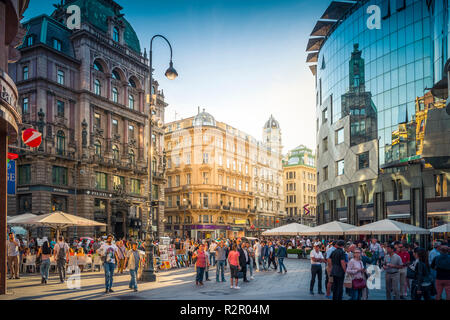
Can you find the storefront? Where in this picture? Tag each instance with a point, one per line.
(201, 231)
(399, 211)
(438, 212)
(365, 214)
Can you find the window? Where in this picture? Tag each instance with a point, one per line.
(132, 83)
(118, 182)
(98, 148)
(97, 87)
(60, 108)
(169, 202)
(115, 126)
(340, 136)
(177, 181)
(61, 77)
(205, 177)
(131, 102)
(169, 220)
(132, 157)
(57, 44)
(25, 73)
(24, 174)
(101, 181)
(115, 95)
(440, 183)
(98, 66)
(115, 75)
(115, 151)
(340, 168)
(169, 182)
(97, 120)
(324, 115)
(188, 158)
(60, 143)
(130, 132)
(116, 36)
(325, 173)
(188, 178)
(25, 106)
(205, 158)
(135, 186)
(30, 41)
(363, 160)
(59, 176)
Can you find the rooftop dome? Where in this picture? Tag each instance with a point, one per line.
(204, 119)
(96, 12)
(272, 123)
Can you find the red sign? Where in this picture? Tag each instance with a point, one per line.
(32, 138)
(278, 221)
(12, 156)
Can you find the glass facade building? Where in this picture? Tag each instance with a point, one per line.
(380, 69)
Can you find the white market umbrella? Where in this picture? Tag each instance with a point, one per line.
(293, 229)
(19, 220)
(441, 229)
(333, 228)
(388, 226)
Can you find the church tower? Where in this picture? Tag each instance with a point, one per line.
(272, 135)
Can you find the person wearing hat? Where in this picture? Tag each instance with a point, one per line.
(133, 258)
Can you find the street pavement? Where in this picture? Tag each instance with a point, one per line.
(177, 284)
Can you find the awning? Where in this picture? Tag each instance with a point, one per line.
(312, 57)
(336, 10)
(314, 44)
(322, 28)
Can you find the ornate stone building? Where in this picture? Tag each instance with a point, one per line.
(221, 182)
(85, 89)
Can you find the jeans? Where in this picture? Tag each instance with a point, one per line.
(272, 261)
(316, 270)
(281, 263)
(337, 287)
(200, 272)
(356, 294)
(61, 265)
(133, 281)
(258, 261)
(265, 262)
(250, 266)
(45, 267)
(212, 258)
(220, 270)
(375, 257)
(109, 274)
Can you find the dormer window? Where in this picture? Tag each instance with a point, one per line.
(116, 36)
(57, 44)
(30, 41)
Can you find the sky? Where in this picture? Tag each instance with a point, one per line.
(241, 60)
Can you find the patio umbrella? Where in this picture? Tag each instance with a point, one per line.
(334, 228)
(19, 220)
(388, 226)
(441, 229)
(293, 229)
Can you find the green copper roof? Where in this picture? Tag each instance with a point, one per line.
(96, 12)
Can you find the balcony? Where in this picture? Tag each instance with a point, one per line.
(8, 106)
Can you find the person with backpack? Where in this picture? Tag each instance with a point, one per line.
(422, 283)
(61, 254)
(441, 264)
(45, 252)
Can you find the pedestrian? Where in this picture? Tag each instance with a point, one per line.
(243, 258)
(251, 259)
(121, 254)
(233, 259)
(423, 281)
(281, 255)
(13, 256)
(441, 264)
(272, 256)
(316, 269)
(61, 254)
(375, 249)
(45, 253)
(328, 277)
(402, 252)
(206, 273)
(133, 260)
(200, 264)
(221, 254)
(257, 251)
(392, 263)
(356, 270)
(265, 255)
(212, 253)
(108, 252)
(338, 269)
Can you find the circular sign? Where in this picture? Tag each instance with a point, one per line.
(12, 156)
(32, 138)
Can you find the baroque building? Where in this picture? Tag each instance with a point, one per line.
(85, 89)
(300, 186)
(221, 182)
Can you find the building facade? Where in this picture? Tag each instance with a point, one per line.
(221, 182)
(84, 87)
(383, 149)
(300, 186)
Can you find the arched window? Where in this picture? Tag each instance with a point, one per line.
(115, 151)
(116, 36)
(60, 143)
(131, 102)
(98, 148)
(98, 66)
(97, 87)
(132, 157)
(115, 95)
(115, 75)
(131, 83)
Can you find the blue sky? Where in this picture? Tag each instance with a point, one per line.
(241, 60)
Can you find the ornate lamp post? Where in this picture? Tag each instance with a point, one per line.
(148, 273)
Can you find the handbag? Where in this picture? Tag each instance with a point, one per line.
(358, 283)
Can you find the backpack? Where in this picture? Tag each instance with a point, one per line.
(62, 252)
(442, 262)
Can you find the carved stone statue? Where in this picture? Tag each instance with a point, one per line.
(84, 133)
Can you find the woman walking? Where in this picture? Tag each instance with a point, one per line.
(45, 252)
(356, 270)
(422, 283)
(233, 259)
(200, 264)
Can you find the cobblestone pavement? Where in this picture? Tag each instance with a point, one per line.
(178, 284)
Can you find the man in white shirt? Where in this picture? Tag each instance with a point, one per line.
(12, 246)
(108, 251)
(257, 249)
(317, 242)
(308, 243)
(212, 253)
(316, 269)
(375, 248)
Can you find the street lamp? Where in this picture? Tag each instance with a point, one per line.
(148, 274)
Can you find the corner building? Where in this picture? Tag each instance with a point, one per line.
(383, 143)
(222, 182)
(85, 90)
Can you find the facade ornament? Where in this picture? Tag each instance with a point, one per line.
(84, 133)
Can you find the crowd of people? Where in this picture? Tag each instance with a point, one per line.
(411, 272)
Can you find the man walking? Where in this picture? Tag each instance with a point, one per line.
(338, 268)
(392, 263)
(221, 258)
(375, 249)
(265, 256)
(243, 258)
(272, 256)
(316, 269)
(404, 255)
(257, 250)
(108, 251)
(212, 253)
(61, 254)
(122, 255)
(328, 277)
(13, 256)
(133, 259)
(281, 254)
